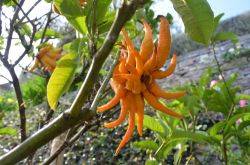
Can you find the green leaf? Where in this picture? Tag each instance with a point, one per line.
(193, 136)
(78, 23)
(147, 144)
(169, 146)
(205, 77)
(8, 130)
(232, 121)
(48, 33)
(216, 21)
(154, 125)
(105, 25)
(8, 3)
(215, 100)
(25, 29)
(101, 10)
(61, 78)
(69, 8)
(73, 12)
(198, 19)
(97, 15)
(216, 128)
(242, 97)
(243, 125)
(151, 162)
(1, 42)
(223, 36)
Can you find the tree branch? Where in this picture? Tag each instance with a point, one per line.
(105, 83)
(11, 30)
(123, 14)
(75, 114)
(1, 5)
(22, 38)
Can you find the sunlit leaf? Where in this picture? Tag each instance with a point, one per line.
(78, 23)
(97, 15)
(48, 33)
(223, 36)
(8, 130)
(1, 42)
(147, 144)
(154, 125)
(197, 17)
(25, 29)
(216, 21)
(69, 8)
(61, 78)
(8, 3)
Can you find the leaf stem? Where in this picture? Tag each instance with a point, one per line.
(224, 81)
(105, 83)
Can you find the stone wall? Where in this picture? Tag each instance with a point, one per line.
(190, 66)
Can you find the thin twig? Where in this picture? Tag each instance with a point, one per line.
(31, 8)
(105, 83)
(11, 30)
(224, 81)
(6, 79)
(22, 38)
(1, 7)
(46, 25)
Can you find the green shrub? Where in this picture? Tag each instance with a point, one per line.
(34, 90)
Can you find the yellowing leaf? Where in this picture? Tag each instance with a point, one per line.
(61, 78)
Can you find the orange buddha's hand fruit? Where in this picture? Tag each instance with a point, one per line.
(133, 80)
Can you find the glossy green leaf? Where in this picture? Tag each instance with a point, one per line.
(61, 78)
(48, 33)
(8, 130)
(197, 17)
(147, 144)
(102, 8)
(223, 36)
(8, 3)
(97, 15)
(154, 125)
(216, 128)
(69, 8)
(78, 23)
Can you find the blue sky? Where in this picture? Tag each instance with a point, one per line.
(229, 7)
